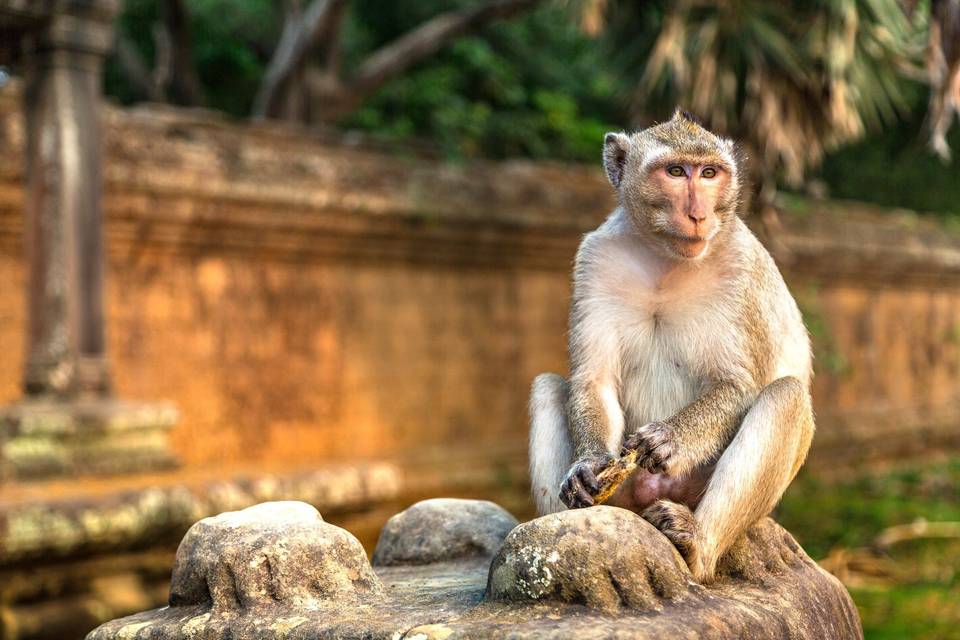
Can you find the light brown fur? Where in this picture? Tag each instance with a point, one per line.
(684, 344)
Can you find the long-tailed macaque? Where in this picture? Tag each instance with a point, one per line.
(685, 344)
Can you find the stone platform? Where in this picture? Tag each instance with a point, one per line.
(465, 569)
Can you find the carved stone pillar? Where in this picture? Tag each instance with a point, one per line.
(63, 234)
(68, 420)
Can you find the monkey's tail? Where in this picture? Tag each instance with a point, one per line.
(551, 451)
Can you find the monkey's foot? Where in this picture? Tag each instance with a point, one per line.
(677, 523)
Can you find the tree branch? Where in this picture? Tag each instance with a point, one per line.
(331, 44)
(391, 60)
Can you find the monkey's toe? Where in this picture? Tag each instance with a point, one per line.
(677, 523)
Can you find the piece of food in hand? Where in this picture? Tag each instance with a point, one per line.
(612, 476)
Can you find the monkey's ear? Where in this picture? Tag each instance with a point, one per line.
(615, 148)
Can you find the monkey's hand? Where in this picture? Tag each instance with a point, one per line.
(581, 485)
(654, 443)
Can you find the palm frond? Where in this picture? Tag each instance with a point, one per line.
(791, 78)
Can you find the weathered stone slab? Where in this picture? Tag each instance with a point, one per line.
(595, 573)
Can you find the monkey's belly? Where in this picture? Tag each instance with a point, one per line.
(643, 488)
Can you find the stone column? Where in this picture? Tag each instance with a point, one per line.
(68, 421)
(63, 235)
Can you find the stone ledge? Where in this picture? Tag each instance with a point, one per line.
(136, 518)
(187, 182)
(58, 519)
(48, 436)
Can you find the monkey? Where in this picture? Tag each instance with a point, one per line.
(685, 344)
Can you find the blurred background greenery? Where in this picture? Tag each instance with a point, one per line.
(807, 86)
(847, 98)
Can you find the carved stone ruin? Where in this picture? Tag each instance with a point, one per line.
(465, 569)
(68, 421)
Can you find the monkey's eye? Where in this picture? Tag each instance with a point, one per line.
(676, 171)
(708, 172)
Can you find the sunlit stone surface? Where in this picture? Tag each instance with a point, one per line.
(277, 570)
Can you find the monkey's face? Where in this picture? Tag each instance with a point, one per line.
(678, 182)
(680, 203)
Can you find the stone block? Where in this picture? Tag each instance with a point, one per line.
(443, 529)
(271, 554)
(605, 557)
(51, 436)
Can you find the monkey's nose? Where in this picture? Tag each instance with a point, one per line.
(696, 216)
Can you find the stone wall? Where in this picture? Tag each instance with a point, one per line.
(304, 297)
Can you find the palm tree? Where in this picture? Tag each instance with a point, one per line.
(943, 69)
(791, 79)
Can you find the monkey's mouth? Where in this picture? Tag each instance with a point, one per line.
(688, 246)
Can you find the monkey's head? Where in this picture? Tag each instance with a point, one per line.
(679, 182)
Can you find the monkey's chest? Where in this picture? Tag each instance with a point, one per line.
(658, 375)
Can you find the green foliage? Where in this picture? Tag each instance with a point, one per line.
(538, 87)
(232, 43)
(924, 602)
(534, 87)
(850, 512)
(896, 169)
(232, 49)
(918, 612)
(791, 79)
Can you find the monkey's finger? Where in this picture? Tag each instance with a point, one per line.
(628, 447)
(658, 462)
(582, 497)
(567, 493)
(643, 458)
(575, 496)
(647, 461)
(638, 443)
(588, 480)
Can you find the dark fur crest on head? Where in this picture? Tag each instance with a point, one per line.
(686, 115)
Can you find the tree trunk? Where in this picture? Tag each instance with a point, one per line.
(302, 30)
(182, 86)
(135, 69)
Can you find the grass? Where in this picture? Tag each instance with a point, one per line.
(920, 598)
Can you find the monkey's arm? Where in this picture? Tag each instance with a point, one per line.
(695, 435)
(595, 416)
(593, 410)
(596, 423)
